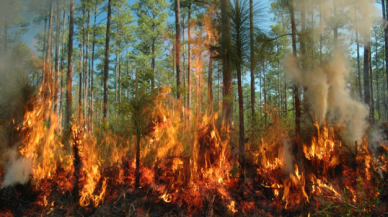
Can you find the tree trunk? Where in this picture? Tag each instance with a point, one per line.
(81, 65)
(378, 90)
(86, 76)
(366, 73)
(296, 90)
(138, 136)
(92, 69)
(335, 24)
(252, 59)
(178, 47)
(50, 32)
(189, 60)
(44, 43)
(265, 95)
(62, 67)
(57, 59)
(358, 65)
(386, 46)
(69, 68)
(48, 78)
(241, 141)
(106, 63)
(119, 80)
(153, 57)
(227, 68)
(210, 82)
(372, 106)
(69, 87)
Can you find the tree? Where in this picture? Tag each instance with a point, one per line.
(151, 25)
(253, 100)
(227, 104)
(70, 68)
(178, 47)
(106, 62)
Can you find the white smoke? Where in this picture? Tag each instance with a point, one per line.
(17, 169)
(288, 160)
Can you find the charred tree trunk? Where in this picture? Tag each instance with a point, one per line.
(106, 63)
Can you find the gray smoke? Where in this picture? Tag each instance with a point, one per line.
(326, 83)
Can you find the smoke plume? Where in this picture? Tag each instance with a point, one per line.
(326, 82)
(17, 169)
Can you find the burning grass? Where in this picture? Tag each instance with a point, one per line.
(187, 171)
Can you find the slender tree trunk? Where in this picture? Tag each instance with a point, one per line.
(57, 59)
(335, 24)
(44, 44)
(92, 69)
(296, 90)
(62, 67)
(183, 65)
(366, 73)
(120, 80)
(70, 68)
(377, 88)
(87, 68)
(50, 32)
(81, 65)
(210, 81)
(358, 65)
(153, 56)
(178, 46)
(219, 86)
(386, 45)
(106, 63)
(227, 69)
(69, 98)
(80, 81)
(265, 95)
(372, 107)
(253, 103)
(189, 60)
(241, 141)
(138, 136)
(48, 74)
(116, 82)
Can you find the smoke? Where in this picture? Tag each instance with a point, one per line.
(288, 160)
(18, 169)
(326, 83)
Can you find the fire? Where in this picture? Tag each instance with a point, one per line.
(232, 207)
